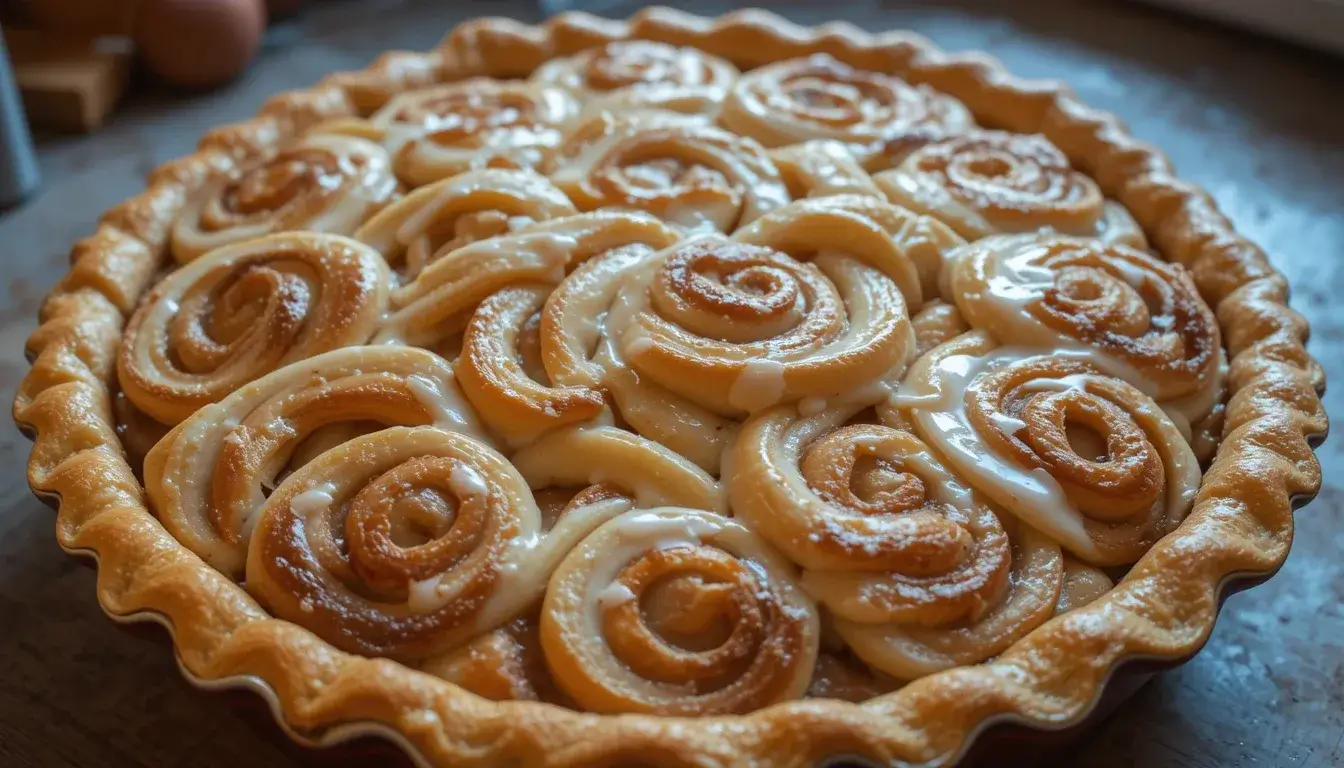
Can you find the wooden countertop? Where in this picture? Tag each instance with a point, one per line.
(1259, 124)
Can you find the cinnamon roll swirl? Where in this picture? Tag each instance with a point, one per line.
(677, 611)
(440, 302)
(918, 572)
(693, 176)
(990, 182)
(208, 478)
(407, 543)
(737, 327)
(244, 310)
(818, 97)
(436, 219)
(437, 132)
(320, 184)
(641, 74)
(1144, 317)
(1084, 457)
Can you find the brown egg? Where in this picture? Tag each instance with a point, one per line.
(198, 43)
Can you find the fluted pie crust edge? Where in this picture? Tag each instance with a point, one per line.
(1164, 609)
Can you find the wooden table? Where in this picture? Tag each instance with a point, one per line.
(1261, 125)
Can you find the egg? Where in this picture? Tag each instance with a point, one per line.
(198, 43)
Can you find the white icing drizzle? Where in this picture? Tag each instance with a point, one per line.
(613, 595)
(465, 482)
(307, 505)
(759, 385)
(433, 398)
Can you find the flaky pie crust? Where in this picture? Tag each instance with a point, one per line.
(1163, 610)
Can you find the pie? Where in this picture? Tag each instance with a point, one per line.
(793, 393)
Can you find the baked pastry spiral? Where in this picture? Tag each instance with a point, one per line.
(820, 168)
(677, 611)
(435, 219)
(694, 176)
(917, 571)
(1086, 458)
(244, 310)
(320, 184)
(440, 302)
(990, 182)
(641, 74)
(407, 543)
(437, 132)
(818, 97)
(208, 478)
(1143, 316)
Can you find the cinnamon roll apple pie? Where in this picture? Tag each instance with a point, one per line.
(636, 374)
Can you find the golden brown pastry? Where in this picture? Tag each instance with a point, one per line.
(442, 299)
(1086, 458)
(244, 310)
(443, 130)
(693, 176)
(918, 572)
(677, 611)
(641, 74)
(207, 479)
(990, 182)
(407, 543)
(1142, 316)
(438, 218)
(820, 168)
(321, 184)
(818, 97)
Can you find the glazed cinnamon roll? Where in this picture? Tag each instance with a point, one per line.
(991, 182)
(208, 478)
(505, 664)
(1084, 457)
(918, 572)
(677, 611)
(437, 132)
(818, 97)
(441, 301)
(1143, 316)
(579, 334)
(693, 176)
(244, 310)
(418, 229)
(737, 327)
(320, 184)
(641, 74)
(407, 543)
(907, 248)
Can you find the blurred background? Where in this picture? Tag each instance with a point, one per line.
(1245, 95)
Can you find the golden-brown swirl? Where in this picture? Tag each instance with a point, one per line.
(991, 182)
(435, 219)
(1082, 456)
(244, 310)
(208, 478)
(918, 573)
(677, 611)
(320, 184)
(1143, 316)
(407, 543)
(641, 74)
(738, 327)
(819, 97)
(441, 301)
(441, 131)
(691, 175)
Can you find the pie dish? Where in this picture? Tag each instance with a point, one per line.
(672, 391)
